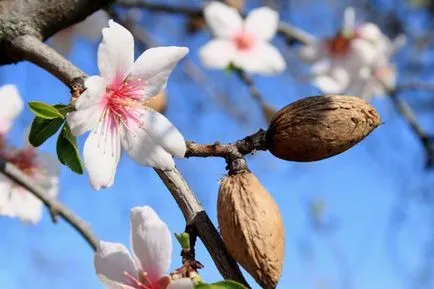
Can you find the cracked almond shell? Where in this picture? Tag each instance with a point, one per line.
(319, 127)
(251, 227)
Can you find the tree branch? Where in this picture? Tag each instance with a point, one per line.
(55, 207)
(407, 113)
(30, 48)
(39, 18)
(289, 32)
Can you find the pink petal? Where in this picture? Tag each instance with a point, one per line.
(223, 20)
(151, 241)
(154, 66)
(217, 53)
(262, 23)
(111, 261)
(101, 153)
(115, 53)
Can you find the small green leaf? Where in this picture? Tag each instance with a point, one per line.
(43, 129)
(67, 150)
(44, 110)
(63, 108)
(226, 284)
(184, 240)
(232, 68)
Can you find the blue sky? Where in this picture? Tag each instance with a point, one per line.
(377, 196)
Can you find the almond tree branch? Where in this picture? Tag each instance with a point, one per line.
(193, 212)
(56, 208)
(289, 32)
(409, 116)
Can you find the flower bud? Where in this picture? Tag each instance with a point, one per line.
(319, 127)
(158, 102)
(251, 227)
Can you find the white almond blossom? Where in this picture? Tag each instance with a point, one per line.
(112, 108)
(90, 29)
(17, 202)
(243, 43)
(337, 62)
(11, 106)
(151, 244)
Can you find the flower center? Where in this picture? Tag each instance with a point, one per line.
(144, 282)
(122, 100)
(243, 41)
(339, 45)
(25, 160)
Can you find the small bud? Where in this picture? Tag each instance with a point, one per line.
(319, 127)
(251, 227)
(158, 102)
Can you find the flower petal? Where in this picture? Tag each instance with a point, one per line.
(262, 23)
(363, 52)
(223, 20)
(11, 106)
(62, 41)
(112, 261)
(151, 242)
(6, 206)
(91, 27)
(184, 283)
(311, 52)
(102, 152)
(154, 66)
(349, 20)
(142, 147)
(115, 53)
(88, 107)
(27, 207)
(217, 53)
(262, 59)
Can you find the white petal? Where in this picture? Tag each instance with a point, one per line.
(115, 53)
(349, 21)
(143, 148)
(223, 20)
(154, 66)
(322, 66)
(91, 27)
(88, 107)
(151, 241)
(111, 261)
(262, 59)
(311, 52)
(6, 206)
(62, 41)
(184, 283)
(11, 106)
(369, 31)
(262, 23)
(363, 52)
(101, 153)
(28, 208)
(334, 83)
(217, 53)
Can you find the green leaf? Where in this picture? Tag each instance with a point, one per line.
(232, 68)
(226, 284)
(43, 129)
(184, 240)
(67, 150)
(63, 108)
(44, 110)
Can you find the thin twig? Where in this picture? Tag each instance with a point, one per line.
(409, 116)
(267, 110)
(55, 207)
(191, 208)
(289, 32)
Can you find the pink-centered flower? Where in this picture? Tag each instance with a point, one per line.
(11, 106)
(15, 201)
(243, 43)
(152, 252)
(338, 61)
(112, 108)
